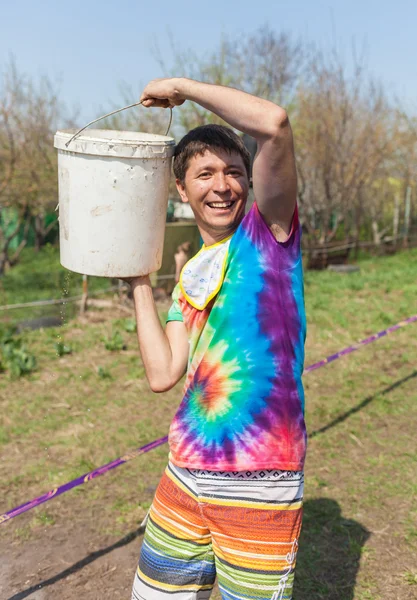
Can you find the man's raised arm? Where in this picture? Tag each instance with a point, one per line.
(274, 171)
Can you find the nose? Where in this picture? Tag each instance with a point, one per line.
(220, 183)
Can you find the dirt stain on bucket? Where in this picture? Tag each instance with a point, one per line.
(97, 211)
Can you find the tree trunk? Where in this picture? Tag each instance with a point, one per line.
(375, 232)
(4, 251)
(39, 233)
(396, 218)
(407, 212)
(84, 299)
(4, 261)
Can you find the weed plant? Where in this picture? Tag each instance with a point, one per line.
(115, 342)
(15, 359)
(62, 349)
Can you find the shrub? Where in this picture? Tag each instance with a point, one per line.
(104, 373)
(62, 349)
(115, 342)
(14, 357)
(130, 325)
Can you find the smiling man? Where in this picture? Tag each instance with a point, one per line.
(230, 501)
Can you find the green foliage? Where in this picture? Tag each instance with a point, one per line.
(62, 349)
(115, 342)
(44, 518)
(104, 373)
(14, 357)
(410, 577)
(6, 333)
(129, 325)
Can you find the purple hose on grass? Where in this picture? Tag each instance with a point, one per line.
(147, 447)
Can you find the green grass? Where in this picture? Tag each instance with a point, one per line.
(346, 307)
(81, 410)
(40, 276)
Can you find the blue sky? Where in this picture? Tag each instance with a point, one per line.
(91, 47)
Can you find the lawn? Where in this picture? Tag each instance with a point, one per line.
(39, 276)
(82, 409)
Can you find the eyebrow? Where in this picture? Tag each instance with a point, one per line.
(210, 166)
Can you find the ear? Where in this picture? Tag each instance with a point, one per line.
(181, 190)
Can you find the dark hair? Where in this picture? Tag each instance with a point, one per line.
(208, 137)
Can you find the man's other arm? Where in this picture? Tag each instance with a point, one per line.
(164, 351)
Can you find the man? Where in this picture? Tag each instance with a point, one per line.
(230, 501)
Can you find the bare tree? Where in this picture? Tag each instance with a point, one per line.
(29, 115)
(344, 131)
(147, 120)
(269, 64)
(39, 159)
(351, 145)
(405, 168)
(13, 209)
(265, 63)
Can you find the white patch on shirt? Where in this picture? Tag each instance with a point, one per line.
(202, 276)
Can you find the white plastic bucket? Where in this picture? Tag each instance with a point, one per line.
(113, 195)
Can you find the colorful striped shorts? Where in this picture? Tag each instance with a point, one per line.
(242, 527)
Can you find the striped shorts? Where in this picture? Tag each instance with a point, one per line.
(242, 527)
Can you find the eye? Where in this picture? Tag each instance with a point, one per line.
(204, 174)
(235, 173)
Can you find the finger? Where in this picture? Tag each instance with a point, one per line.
(161, 103)
(156, 102)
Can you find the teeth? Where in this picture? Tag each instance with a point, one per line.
(220, 204)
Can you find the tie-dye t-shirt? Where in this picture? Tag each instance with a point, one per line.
(242, 302)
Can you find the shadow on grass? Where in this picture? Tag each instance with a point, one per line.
(327, 563)
(362, 405)
(330, 552)
(79, 565)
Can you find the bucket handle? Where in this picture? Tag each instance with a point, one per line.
(113, 113)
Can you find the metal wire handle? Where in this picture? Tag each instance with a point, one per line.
(113, 113)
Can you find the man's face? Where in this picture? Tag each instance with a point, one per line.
(216, 186)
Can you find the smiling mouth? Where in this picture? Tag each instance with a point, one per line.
(220, 205)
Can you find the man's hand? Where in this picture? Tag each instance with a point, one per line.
(164, 93)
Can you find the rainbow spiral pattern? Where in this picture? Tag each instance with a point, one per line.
(243, 404)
